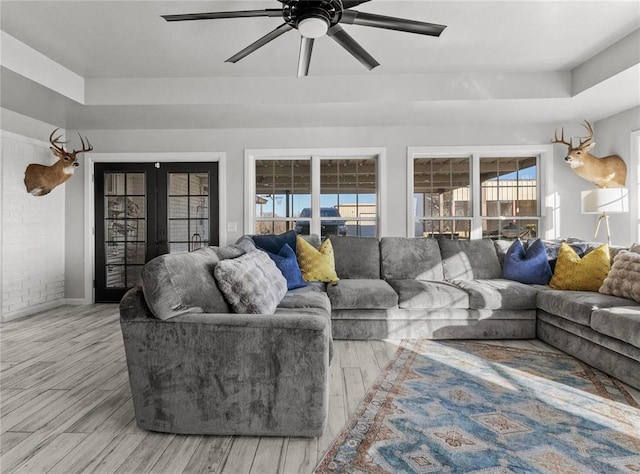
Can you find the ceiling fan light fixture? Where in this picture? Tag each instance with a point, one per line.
(313, 27)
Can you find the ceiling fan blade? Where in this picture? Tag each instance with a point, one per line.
(219, 15)
(352, 3)
(261, 42)
(343, 38)
(351, 17)
(306, 46)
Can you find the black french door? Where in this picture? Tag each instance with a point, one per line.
(143, 210)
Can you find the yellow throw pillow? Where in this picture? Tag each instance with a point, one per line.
(316, 265)
(580, 274)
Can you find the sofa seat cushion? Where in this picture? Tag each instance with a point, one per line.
(498, 294)
(404, 258)
(307, 297)
(577, 306)
(621, 322)
(413, 294)
(362, 294)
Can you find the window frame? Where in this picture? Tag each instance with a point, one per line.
(315, 155)
(548, 212)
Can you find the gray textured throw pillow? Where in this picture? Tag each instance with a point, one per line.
(624, 277)
(251, 283)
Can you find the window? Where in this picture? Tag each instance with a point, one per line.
(509, 197)
(441, 199)
(476, 193)
(315, 194)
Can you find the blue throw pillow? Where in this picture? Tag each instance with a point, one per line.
(287, 263)
(274, 243)
(530, 266)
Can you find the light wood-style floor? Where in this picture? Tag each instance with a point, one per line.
(66, 407)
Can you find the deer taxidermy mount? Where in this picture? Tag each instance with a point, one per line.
(40, 179)
(606, 172)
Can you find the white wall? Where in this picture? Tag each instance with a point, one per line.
(32, 247)
(613, 137)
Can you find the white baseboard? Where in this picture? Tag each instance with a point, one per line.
(77, 301)
(23, 313)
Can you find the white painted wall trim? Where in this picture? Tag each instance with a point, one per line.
(29, 140)
(150, 157)
(34, 65)
(251, 155)
(549, 212)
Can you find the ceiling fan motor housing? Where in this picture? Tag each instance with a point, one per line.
(313, 23)
(312, 18)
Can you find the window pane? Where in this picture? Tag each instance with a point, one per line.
(442, 187)
(135, 184)
(348, 192)
(443, 228)
(509, 187)
(510, 230)
(179, 207)
(275, 227)
(199, 184)
(283, 188)
(114, 184)
(178, 184)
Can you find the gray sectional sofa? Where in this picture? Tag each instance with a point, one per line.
(203, 369)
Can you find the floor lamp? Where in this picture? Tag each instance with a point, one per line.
(605, 201)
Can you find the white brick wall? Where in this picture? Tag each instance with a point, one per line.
(32, 243)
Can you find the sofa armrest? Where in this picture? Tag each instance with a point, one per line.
(228, 373)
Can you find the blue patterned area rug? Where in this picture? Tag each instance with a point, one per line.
(473, 407)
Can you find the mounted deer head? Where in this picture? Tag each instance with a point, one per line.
(41, 179)
(606, 172)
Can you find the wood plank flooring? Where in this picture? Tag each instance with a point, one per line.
(66, 406)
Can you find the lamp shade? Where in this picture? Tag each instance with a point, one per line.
(609, 200)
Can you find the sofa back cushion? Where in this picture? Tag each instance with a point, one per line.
(179, 283)
(356, 257)
(469, 259)
(404, 258)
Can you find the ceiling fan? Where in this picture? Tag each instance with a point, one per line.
(314, 19)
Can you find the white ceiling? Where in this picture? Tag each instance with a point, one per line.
(104, 41)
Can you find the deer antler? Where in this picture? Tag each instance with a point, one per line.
(87, 147)
(56, 143)
(584, 140)
(561, 140)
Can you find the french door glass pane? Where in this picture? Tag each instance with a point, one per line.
(125, 228)
(188, 211)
